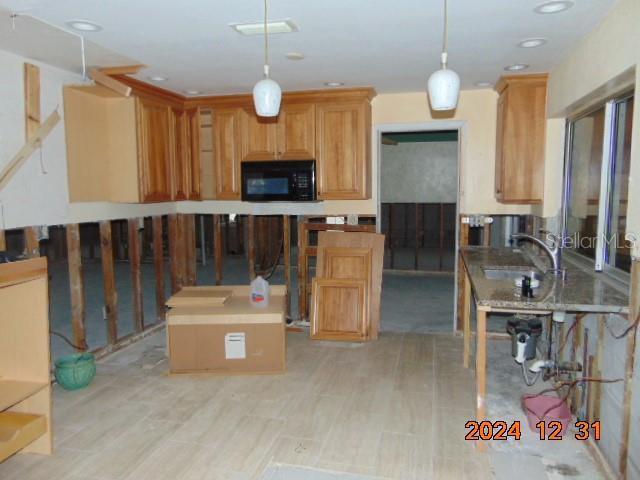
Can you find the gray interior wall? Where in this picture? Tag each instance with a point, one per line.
(424, 172)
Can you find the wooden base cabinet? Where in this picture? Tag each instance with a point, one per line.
(520, 139)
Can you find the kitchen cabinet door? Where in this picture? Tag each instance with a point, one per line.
(180, 160)
(342, 149)
(297, 132)
(339, 310)
(193, 153)
(259, 136)
(155, 156)
(520, 139)
(227, 153)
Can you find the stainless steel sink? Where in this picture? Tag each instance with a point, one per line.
(512, 274)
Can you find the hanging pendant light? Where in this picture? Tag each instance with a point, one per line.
(444, 85)
(267, 93)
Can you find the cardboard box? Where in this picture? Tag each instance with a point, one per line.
(233, 338)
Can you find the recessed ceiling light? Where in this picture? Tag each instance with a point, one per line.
(84, 26)
(532, 43)
(257, 28)
(294, 56)
(484, 84)
(516, 67)
(158, 78)
(334, 84)
(192, 92)
(554, 7)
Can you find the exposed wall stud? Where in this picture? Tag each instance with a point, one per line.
(109, 281)
(76, 287)
(286, 233)
(218, 248)
(136, 273)
(31, 242)
(252, 247)
(31, 99)
(172, 225)
(158, 261)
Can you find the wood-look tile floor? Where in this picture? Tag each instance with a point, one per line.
(391, 409)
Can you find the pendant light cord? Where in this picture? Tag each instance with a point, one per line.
(444, 36)
(266, 42)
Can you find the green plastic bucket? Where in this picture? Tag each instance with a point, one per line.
(76, 371)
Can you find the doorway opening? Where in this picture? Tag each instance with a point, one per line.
(418, 210)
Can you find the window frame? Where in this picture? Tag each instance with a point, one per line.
(607, 187)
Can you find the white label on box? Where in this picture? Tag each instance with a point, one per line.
(234, 346)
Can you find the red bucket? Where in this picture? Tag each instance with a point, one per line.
(546, 408)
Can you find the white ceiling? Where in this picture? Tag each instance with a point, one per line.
(390, 45)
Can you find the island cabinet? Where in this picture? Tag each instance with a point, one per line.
(129, 149)
(520, 139)
(289, 136)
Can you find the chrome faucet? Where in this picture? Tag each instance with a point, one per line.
(553, 251)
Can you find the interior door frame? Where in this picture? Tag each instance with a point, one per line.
(433, 125)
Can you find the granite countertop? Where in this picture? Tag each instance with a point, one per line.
(579, 291)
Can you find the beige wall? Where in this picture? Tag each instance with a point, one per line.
(600, 65)
(477, 108)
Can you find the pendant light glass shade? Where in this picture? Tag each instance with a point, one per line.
(267, 94)
(444, 88)
(266, 98)
(444, 85)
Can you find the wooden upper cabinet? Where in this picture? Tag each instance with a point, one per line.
(180, 160)
(259, 139)
(289, 136)
(342, 150)
(155, 150)
(227, 152)
(297, 132)
(520, 139)
(193, 153)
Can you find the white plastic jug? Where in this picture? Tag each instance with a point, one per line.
(259, 292)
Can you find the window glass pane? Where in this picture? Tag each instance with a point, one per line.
(584, 185)
(618, 249)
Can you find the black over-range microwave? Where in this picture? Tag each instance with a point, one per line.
(279, 181)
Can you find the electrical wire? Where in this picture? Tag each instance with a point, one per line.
(570, 385)
(63, 337)
(579, 317)
(633, 326)
(526, 378)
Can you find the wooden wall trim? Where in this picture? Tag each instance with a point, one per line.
(141, 88)
(303, 96)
